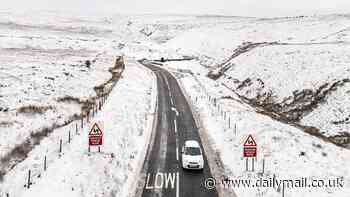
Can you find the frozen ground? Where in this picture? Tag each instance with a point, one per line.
(39, 64)
(127, 122)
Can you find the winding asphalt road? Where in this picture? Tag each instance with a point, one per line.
(164, 176)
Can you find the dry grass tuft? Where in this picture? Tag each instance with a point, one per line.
(34, 109)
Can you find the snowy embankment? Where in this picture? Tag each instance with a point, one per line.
(51, 71)
(39, 80)
(294, 79)
(284, 148)
(127, 119)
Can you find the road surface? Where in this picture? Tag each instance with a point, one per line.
(175, 124)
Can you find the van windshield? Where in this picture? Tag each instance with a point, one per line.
(192, 151)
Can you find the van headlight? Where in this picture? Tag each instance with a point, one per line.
(201, 162)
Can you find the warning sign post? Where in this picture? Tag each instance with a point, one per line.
(96, 135)
(249, 150)
(249, 147)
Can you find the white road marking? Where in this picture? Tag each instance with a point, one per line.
(167, 83)
(170, 95)
(160, 180)
(177, 153)
(175, 110)
(147, 182)
(177, 147)
(170, 180)
(171, 100)
(175, 124)
(177, 185)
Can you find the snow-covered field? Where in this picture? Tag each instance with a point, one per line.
(127, 123)
(215, 43)
(39, 64)
(49, 67)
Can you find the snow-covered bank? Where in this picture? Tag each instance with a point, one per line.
(50, 69)
(28, 82)
(127, 120)
(284, 148)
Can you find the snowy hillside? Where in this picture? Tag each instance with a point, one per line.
(295, 69)
(126, 119)
(284, 80)
(294, 80)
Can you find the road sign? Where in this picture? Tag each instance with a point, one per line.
(95, 135)
(249, 147)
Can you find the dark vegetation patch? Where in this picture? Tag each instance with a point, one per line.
(184, 58)
(292, 109)
(69, 99)
(295, 107)
(4, 109)
(33, 109)
(342, 138)
(6, 124)
(346, 120)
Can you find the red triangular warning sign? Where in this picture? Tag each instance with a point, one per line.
(95, 130)
(250, 141)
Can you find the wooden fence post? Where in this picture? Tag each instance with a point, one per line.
(246, 164)
(229, 122)
(60, 146)
(235, 129)
(45, 165)
(28, 183)
(263, 169)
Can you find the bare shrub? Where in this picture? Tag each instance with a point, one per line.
(88, 63)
